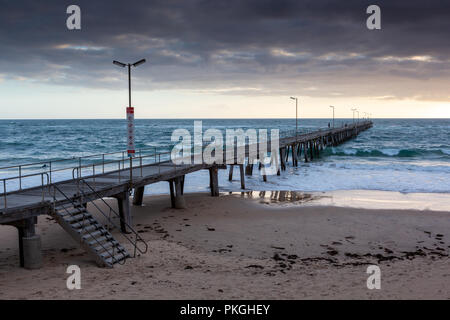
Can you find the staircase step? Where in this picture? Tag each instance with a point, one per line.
(83, 223)
(77, 217)
(117, 258)
(95, 234)
(96, 241)
(69, 211)
(106, 245)
(90, 228)
(113, 250)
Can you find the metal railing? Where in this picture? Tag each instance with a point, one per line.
(85, 197)
(137, 239)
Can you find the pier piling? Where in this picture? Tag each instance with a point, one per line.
(138, 196)
(30, 252)
(123, 202)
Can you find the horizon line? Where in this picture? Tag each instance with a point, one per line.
(245, 118)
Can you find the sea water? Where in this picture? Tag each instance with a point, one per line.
(403, 155)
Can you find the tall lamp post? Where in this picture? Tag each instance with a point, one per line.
(296, 116)
(354, 109)
(130, 109)
(333, 115)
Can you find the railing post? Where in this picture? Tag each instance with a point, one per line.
(78, 183)
(79, 166)
(20, 177)
(50, 165)
(93, 173)
(119, 170)
(42, 186)
(103, 163)
(54, 198)
(4, 192)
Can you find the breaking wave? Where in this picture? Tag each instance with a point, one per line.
(398, 153)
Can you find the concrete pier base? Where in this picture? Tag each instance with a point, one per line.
(29, 244)
(32, 252)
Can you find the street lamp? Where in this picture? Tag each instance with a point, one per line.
(130, 109)
(121, 64)
(354, 109)
(358, 116)
(296, 115)
(333, 114)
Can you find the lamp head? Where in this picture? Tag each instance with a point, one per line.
(118, 63)
(138, 62)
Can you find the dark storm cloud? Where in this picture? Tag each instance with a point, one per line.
(268, 47)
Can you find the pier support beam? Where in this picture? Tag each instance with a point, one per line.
(294, 155)
(172, 193)
(305, 151)
(29, 244)
(179, 197)
(230, 176)
(249, 169)
(176, 187)
(214, 181)
(241, 169)
(282, 158)
(123, 202)
(138, 196)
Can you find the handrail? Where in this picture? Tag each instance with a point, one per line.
(138, 237)
(69, 159)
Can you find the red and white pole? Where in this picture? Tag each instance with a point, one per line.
(130, 130)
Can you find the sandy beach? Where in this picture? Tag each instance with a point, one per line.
(233, 247)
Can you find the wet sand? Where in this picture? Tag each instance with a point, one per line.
(232, 247)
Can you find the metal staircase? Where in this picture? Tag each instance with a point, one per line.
(93, 236)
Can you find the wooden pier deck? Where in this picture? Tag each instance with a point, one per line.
(21, 207)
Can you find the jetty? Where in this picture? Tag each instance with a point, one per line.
(65, 190)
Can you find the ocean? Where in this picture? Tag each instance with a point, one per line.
(404, 155)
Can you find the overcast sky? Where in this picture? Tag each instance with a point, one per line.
(228, 58)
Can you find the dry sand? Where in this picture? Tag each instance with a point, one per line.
(235, 248)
